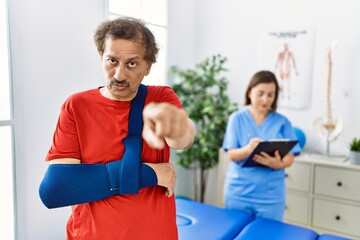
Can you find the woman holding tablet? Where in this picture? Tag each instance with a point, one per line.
(259, 190)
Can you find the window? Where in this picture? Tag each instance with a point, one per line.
(7, 212)
(154, 13)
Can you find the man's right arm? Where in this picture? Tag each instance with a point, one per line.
(165, 172)
(67, 182)
(65, 161)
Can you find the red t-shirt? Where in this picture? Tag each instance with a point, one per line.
(91, 128)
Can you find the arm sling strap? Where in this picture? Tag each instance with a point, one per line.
(69, 184)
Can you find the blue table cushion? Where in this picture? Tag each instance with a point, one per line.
(331, 237)
(262, 228)
(197, 221)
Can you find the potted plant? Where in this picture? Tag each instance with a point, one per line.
(203, 92)
(355, 151)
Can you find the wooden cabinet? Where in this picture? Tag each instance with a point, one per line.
(324, 194)
(337, 216)
(299, 189)
(298, 177)
(343, 183)
(297, 208)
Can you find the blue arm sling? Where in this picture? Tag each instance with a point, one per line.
(69, 184)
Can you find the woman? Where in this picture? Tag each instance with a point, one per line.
(258, 190)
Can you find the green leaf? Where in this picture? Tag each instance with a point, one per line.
(203, 92)
(355, 145)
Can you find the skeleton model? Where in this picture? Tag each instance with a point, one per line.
(328, 127)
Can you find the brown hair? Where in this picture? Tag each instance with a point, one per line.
(130, 29)
(262, 77)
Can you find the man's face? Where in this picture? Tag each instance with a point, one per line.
(124, 67)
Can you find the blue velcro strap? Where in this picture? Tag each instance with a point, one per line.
(113, 170)
(135, 124)
(130, 170)
(129, 175)
(147, 177)
(124, 175)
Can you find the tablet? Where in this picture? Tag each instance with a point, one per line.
(284, 146)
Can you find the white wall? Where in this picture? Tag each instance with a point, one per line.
(53, 55)
(181, 52)
(231, 28)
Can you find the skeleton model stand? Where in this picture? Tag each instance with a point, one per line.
(328, 127)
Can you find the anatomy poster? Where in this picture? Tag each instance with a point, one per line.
(289, 54)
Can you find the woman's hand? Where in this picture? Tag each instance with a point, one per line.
(253, 144)
(239, 154)
(273, 162)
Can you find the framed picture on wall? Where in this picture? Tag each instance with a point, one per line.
(289, 54)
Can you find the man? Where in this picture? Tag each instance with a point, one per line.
(92, 132)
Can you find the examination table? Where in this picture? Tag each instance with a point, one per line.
(199, 221)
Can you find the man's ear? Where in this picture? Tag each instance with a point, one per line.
(148, 68)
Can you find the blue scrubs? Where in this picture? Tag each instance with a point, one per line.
(258, 190)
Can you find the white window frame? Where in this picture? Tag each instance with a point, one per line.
(7, 167)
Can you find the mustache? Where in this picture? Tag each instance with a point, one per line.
(119, 83)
